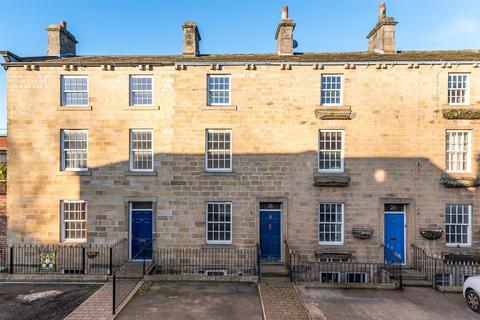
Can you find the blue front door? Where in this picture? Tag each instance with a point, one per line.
(141, 234)
(270, 235)
(394, 235)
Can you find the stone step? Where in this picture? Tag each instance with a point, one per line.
(269, 270)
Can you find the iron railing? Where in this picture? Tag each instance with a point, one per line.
(393, 264)
(126, 278)
(207, 261)
(65, 258)
(440, 271)
(342, 272)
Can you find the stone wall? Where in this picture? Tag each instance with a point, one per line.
(395, 152)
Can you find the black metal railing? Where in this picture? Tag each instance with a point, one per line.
(342, 272)
(259, 265)
(393, 264)
(207, 261)
(126, 278)
(65, 258)
(441, 271)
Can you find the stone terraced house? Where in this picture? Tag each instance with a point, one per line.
(336, 154)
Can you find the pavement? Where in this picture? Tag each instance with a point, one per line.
(41, 301)
(360, 304)
(194, 300)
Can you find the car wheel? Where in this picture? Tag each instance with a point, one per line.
(473, 300)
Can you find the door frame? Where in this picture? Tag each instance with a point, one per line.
(130, 226)
(281, 226)
(403, 213)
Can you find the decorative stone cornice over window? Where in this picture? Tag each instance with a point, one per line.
(461, 114)
(331, 179)
(431, 233)
(460, 182)
(335, 114)
(362, 233)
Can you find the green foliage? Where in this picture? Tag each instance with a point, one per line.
(3, 171)
(461, 114)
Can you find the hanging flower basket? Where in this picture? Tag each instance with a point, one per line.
(462, 258)
(47, 260)
(362, 233)
(331, 180)
(460, 182)
(431, 233)
(92, 254)
(333, 256)
(461, 114)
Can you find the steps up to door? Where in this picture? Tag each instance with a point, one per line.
(413, 278)
(274, 270)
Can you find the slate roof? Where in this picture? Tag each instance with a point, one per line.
(361, 56)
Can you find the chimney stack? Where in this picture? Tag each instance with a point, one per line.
(284, 34)
(60, 42)
(191, 39)
(382, 37)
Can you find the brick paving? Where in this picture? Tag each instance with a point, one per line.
(280, 300)
(99, 305)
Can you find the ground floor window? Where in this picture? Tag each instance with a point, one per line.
(219, 222)
(329, 277)
(356, 277)
(330, 223)
(74, 220)
(443, 279)
(458, 224)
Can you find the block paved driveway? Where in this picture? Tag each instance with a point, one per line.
(194, 300)
(410, 304)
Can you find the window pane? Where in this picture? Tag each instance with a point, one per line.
(330, 150)
(74, 149)
(219, 150)
(218, 90)
(75, 220)
(457, 224)
(331, 89)
(457, 147)
(74, 91)
(219, 222)
(141, 90)
(141, 153)
(330, 223)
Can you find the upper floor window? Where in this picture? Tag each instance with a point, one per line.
(458, 88)
(330, 223)
(330, 150)
(219, 150)
(458, 150)
(458, 224)
(141, 90)
(74, 221)
(331, 89)
(219, 222)
(74, 90)
(218, 90)
(141, 150)
(74, 145)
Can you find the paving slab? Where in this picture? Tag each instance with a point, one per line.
(194, 300)
(411, 303)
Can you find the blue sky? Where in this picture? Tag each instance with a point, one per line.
(226, 26)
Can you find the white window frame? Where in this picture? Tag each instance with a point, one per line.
(207, 169)
(62, 221)
(467, 90)
(131, 150)
(331, 243)
(337, 273)
(206, 223)
(469, 228)
(62, 151)
(131, 90)
(469, 152)
(229, 89)
(341, 89)
(363, 275)
(62, 88)
(342, 154)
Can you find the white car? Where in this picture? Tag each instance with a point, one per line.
(471, 292)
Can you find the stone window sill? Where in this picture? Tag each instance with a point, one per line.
(141, 173)
(219, 108)
(74, 173)
(142, 108)
(220, 173)
(218, 246)
(75, 108)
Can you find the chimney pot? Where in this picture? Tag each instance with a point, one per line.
(63, 24)
(284, 12)
(382, 11)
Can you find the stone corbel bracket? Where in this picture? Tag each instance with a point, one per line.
(335, 114)
(331, 180)
(460, 182)
(461, 114)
